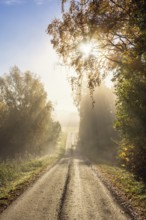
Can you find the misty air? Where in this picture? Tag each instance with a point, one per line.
(72, 110)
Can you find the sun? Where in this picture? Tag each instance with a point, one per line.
(86, 49)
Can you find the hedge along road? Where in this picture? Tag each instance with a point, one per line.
(69, 191)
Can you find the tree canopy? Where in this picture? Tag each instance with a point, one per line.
(115, 30)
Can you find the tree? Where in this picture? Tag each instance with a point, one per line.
(116, 30)
(111, 27)
(131, 117)
(26, 122)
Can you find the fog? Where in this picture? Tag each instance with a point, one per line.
(68, 120)
(97, 135)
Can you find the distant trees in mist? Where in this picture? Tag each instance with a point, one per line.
(26, 123)
(97, 133)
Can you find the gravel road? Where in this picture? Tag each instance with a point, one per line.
(69, 191)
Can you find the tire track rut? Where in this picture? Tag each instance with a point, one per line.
(63, 198)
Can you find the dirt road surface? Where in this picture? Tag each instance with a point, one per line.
(69, 191)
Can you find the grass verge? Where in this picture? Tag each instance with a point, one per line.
(130, 192)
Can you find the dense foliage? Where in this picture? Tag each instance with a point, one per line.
(117, 31)
(26, 123)
(131, 116)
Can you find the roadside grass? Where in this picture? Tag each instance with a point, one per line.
(17, 174)
(124, 183)
(135, 190)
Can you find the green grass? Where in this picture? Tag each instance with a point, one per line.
(17, 174)
(125, 182)
(134, 190)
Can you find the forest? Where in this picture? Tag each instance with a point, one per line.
(112, 34)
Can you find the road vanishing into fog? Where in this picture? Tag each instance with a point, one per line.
(68, 191)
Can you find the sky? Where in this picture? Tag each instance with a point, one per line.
(25, 43)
